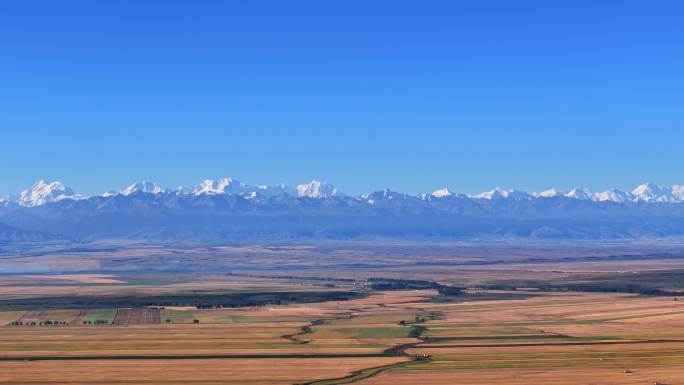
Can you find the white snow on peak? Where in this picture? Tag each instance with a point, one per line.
(550, 193)
(499, 193)
(43, 192)
(232, 186)
(443, 192)
(644, 193)
(496, 193)
(317, 189)
(144, 186)
(678, 192)
(581, 193)
(612, 195)
(650, 192)
(221, 186)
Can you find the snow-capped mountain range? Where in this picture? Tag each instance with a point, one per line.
(228, 209)
(47, 192)
(43, 192)
(643, 193)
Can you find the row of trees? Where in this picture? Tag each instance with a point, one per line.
(57, 323)
(96, 322)
(38, 323)
(169, 320)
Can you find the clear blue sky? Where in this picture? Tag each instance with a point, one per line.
(413, 95)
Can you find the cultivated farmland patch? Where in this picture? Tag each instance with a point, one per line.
(135, 316)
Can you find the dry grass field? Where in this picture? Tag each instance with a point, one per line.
(257, 345)
(568, 338)
(265, 371)
(560, 338)
(265, 324)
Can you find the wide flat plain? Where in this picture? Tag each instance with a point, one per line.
(560, 337)
(521, 321)
(265, 371)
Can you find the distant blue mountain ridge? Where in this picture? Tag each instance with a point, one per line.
(231, 210)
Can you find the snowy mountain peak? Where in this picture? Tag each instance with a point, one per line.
(581, 193)
(443, 192)
(143, 186)
(645, 188)
(317, 189)
(496, 193)
(499, 193)
(43, 192)
(221, 186)
(678, 192)
(613, 195)
(650, 192)
(550, 193)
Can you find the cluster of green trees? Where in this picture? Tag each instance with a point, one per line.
(416, 320)
(413, 284)
(96, 322)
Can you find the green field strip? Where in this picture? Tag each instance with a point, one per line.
(96, 316)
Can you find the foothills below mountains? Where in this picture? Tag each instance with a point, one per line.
(227, 209)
